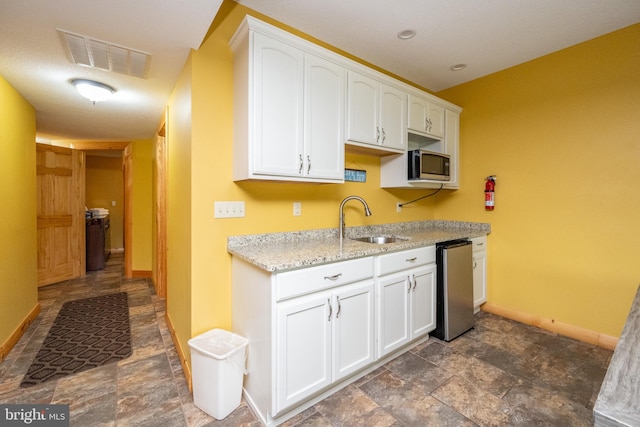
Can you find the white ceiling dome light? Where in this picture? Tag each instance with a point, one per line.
(92, 90)
(406, 34)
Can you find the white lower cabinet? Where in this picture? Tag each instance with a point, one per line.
(479, 271)
(406, 298)
(314, 330)
(321, 338)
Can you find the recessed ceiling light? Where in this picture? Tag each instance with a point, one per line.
(406, 34)
(92, 90)
(458, 67)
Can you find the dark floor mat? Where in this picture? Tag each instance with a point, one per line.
(87, 333)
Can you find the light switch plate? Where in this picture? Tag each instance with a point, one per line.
(228, 209)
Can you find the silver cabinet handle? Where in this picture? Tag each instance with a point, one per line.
(377, 134)
(415, 282)
(330, 309)
(480, 243)
(409, 282)
(308, 164)
(300, 168)
(411, 259)
(339, 307)
(334, 277)
(384, 135)
(475, 263)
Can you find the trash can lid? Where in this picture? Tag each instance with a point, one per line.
(218, 343)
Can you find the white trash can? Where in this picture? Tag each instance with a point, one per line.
(218, 363)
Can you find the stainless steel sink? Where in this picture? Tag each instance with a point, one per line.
(381, 240)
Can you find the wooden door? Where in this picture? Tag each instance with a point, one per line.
(60, 207)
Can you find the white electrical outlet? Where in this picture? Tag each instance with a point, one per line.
(228, 209)
(398, 207)
(297, 208)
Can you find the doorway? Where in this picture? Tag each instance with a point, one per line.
(123, 149)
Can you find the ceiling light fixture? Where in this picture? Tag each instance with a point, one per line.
(458, 67)
(406, 34)
(92, 90)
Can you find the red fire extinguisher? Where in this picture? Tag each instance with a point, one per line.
(489, 192)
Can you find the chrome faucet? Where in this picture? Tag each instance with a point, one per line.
(367, 212)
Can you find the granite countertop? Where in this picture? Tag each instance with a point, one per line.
(618, 402)
(275, 252)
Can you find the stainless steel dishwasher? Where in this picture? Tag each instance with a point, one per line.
(454, 300)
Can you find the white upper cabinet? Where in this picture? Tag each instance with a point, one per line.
(277, 85)
(324, 114)
(376, 113)
(426, 117)
(288, 111)
(297, 106)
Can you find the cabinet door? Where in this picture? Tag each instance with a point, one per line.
(479, 279)
(452, 146)
(277, 108)
(417, 114)
(363, 109)
(353, 328)
(393, 116)
(423, 300)
(323, 119)
(436, 120)
(425, 117)
(303, 348)
(393, 311)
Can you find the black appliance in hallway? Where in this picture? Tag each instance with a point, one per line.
(98, 241)
(454, 299)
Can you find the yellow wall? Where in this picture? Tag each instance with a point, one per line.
(200, 174)
(561, 133)
(142, 205)
(542, 255)
(104, 184)
(18, 238)
(179, 208)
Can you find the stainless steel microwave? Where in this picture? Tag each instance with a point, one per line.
(428, 165)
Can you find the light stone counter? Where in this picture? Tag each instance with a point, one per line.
(618, 402)
(275, 252)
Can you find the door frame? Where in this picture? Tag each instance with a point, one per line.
(125, 147)
(160, 273)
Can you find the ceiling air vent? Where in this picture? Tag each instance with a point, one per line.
(89, 52)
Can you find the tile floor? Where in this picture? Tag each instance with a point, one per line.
(502, 373)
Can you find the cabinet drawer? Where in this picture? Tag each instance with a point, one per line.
(479, 243)
(398, 261)
(312, 279)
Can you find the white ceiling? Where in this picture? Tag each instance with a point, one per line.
(34, 62)
(488, 35)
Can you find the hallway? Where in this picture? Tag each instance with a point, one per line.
(500, 373)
